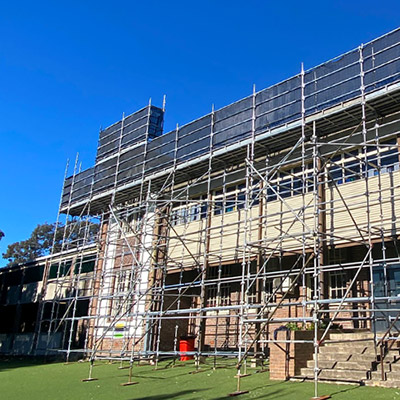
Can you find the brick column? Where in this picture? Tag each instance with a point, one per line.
(287, 359)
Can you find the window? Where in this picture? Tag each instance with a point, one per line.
(182, 215)
(132, 222)
(338, 284)
(348, 166)
(269, 290)
(230, 203)
(271, 193)
(338, 255)
(221, 271)
(255, 193)
(389, 156)
(252, 294)
(335, 169)
(223, 296)
(351, 165)
(123, 281)
(310, 292)
(285, 187)
(212, 296)
(203, 206)
(194, 210)
(174, 218)
(290, 182)
(241, 200)
(296, 183)
(233, 199)
(345, 167)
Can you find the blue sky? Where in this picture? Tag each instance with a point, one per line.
(67, 68)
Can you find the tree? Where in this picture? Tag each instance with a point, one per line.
(40, 243)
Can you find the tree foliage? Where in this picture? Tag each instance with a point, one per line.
(37, 245)
(40, 243)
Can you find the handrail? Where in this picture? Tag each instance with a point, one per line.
(388, 330)
(384, 347)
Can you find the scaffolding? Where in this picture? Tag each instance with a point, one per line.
(277, 210)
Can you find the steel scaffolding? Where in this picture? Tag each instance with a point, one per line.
(229, 244)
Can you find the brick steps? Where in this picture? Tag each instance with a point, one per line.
(355, 375)
(332, 364)
(378, 382)
(393, 376)
(361, 335)
(345, 356)
(343, 348)
(350, 357)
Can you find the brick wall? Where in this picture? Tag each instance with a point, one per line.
(287, 359)
(113, 346)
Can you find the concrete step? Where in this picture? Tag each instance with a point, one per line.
(356, 343)
(350, 357)
(332, 364)
(336, 374)
(377, 370)
(351, 335)
(340, 356)
(392, 356)
(393, 376)
(349, 349)
(395, 366)
(389, 365)
(378, 382)
(322, 363)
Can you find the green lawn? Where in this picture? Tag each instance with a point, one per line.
(20, 379)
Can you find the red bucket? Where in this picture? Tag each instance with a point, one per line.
(186, 343)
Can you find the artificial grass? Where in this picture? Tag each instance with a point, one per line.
(22, 379)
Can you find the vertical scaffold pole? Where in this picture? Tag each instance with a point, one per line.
(367, 192)
(207, 236)
(316, 249)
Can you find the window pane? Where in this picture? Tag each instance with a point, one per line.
(218, 207)
(241, 199)
(230, 203)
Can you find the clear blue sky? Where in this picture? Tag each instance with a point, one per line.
(67, 68)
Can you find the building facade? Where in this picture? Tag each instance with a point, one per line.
(273, 215)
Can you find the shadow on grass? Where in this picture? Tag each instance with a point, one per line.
(177, 395)
(151, 377)
(295, 394)
(179, 372)
(349, 389)
(269, 395)
(272, 394)
(8, 363)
